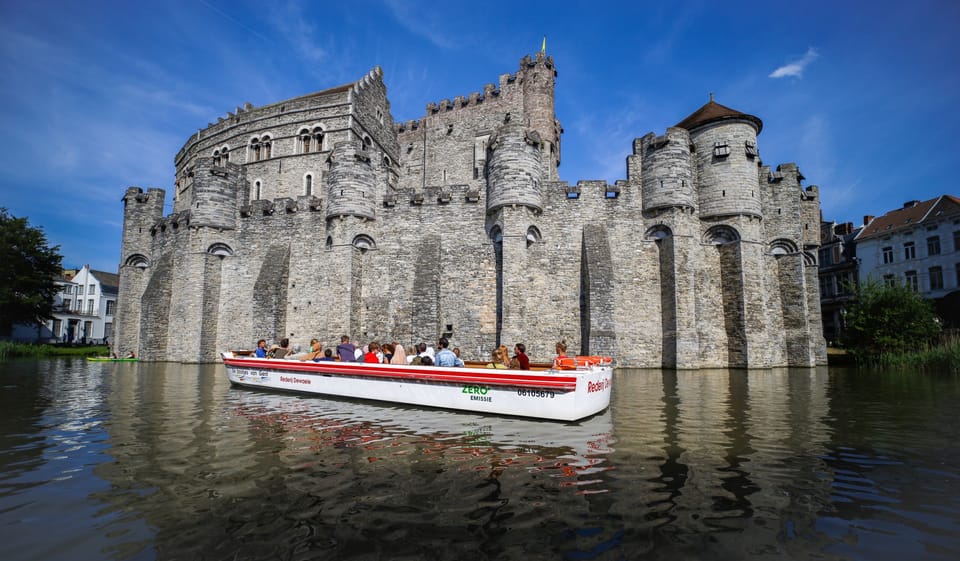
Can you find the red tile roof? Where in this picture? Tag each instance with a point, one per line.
(712, 112)
(909, 216)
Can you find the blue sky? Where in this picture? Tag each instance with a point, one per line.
(99, 96)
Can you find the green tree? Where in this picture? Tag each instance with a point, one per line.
(28, 269)
(889, 319)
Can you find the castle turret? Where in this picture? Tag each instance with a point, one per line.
(140, 212)
(725, 145)
(351, 183)
(513, 168)
(539, 77)
(667, 176)
(213, 196)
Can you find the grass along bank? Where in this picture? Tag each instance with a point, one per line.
(14, 350)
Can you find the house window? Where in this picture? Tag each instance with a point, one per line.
(66, 301)
(107, 330)
(888, 255)
(910, 279)
(57, 328)
(111, 307)
(90, 306)
(91, 289)
(936, 278)
(308, 185)
(956, 240)
(889, 280)
(909, 251)
(933, 245)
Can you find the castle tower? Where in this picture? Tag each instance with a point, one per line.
(514, 204)
(513, 168)
(725, 150)
(669, 197)
(538, 77)
(213, 197)
(725, 146)
(141, 211)
(667, 178)
(351, 183)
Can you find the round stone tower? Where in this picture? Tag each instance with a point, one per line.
(351, 183)
(538, 78)
(667, 178)
(725, 150)
(513, 168)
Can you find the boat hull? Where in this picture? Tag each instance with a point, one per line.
(554, 395)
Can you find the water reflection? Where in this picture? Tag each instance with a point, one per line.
(162, 461)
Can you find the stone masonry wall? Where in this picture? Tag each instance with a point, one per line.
(397, 239)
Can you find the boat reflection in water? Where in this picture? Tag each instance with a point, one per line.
(400, 437)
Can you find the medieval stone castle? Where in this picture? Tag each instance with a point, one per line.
(320, 216)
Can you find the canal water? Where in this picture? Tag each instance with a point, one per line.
(165, 461)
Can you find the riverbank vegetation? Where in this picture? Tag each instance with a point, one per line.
(892, 326)
(14, 350)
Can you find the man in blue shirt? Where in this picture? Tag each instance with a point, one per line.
(261, 348)
(446, 357)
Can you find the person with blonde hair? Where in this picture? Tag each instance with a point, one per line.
(561, 354)
(399, 354)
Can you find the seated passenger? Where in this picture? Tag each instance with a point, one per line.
(561, 354)
(399, 354)
(327, 356)
(496, 360)
(371, 354)
(315, 351)
(282, 350)
(446, 357)
(345, 350)
(261, 351)
(426, 361)
(520, 351)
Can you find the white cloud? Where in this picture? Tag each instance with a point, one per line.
(796, 67)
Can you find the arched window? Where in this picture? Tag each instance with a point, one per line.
(225, 155)
(308, 184)
(267, 147)
(318, 139)
(329, 242)
(782, 247)
(255, 149)
(138, 261)
(216, 157)
(220, 250)
(533, 236)
(364, 242)
(256, 190)
(304, 135)
(657, 233)
(720, 235)
(367, 143)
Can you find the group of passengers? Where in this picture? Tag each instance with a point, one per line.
(394, 353)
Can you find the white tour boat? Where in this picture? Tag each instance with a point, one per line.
(580, 390)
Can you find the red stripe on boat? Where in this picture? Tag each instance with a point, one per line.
(440, 374)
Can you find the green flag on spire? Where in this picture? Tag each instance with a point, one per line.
(543, 47)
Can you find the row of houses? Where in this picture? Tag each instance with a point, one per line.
(83, 310)
(917, 245)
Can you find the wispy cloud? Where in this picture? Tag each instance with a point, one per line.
(422, 20)
(796, 67)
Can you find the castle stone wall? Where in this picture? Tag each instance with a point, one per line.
(455, 225)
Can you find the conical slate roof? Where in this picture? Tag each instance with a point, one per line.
(712, 112)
